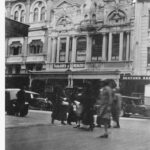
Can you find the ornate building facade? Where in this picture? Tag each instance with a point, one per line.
(70, 41)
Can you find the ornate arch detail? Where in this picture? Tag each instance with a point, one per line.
(64, 21)
(18, 7)
(117, 16)
(37, 4)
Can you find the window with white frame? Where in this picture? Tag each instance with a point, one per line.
(39, 11)
(22, 17)
(62, 53)
(115, 47)
(15, 48)
(16, 15)
(19, 13)
(97, 41)
(36, 12)
(42, 18)
(36, 47)
(81, 49)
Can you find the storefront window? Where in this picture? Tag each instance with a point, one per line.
(81, 49)
(17, 69)
(97, 41)
(35, 67)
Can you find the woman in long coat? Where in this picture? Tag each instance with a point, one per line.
(106, 95)
(88, 100)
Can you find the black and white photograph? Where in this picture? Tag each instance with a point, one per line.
(76, 74)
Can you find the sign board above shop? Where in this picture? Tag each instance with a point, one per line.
(135, 77)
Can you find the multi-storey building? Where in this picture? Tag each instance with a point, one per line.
(70, 41)
(141, 46)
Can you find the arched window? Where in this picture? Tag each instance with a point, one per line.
(35, 17)
(22, 16)
(16, 16)
(36, 47)
(42, 18)
(15, 48)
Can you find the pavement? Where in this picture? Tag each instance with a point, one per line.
(34, 117)
(35, 132)
(38, 117)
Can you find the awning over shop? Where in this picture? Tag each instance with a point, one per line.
(15, 29)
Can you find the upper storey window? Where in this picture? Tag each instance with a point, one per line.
(15, 48)
(36, 47)
(38, 10)
(22, 17)
(35, 17)
(42, 14)
(18, 13)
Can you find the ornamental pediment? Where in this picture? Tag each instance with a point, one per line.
(64, 4)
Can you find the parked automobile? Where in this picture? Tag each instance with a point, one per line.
(134, 105)
(34, 101)
(37, 102)
(11, 103)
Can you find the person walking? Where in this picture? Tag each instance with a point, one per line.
(104, 112)
(116, 107)
(21, 98)
(88, 102)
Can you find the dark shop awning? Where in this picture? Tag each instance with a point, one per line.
(15, 29)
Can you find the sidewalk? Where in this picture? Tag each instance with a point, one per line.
(37, 117)
(33, 118)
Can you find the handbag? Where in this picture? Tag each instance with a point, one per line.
(65, 103)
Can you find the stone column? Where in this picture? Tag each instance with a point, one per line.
(45, 45)
(67, 49)
(27, 11)
(127, 47)
(49, 50)
(88, 48)
(110, 47)
(25, 47)
(121, 46)
(74, 45)
(54, 49)
(58, 49)
(104, 47)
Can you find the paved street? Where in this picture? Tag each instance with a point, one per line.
(35, 132)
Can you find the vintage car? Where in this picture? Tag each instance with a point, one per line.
(134, 106)
(11, 103)
(33, 101)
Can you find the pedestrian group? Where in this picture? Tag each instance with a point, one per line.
(103, 101)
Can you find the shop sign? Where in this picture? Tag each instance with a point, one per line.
(136, 78)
